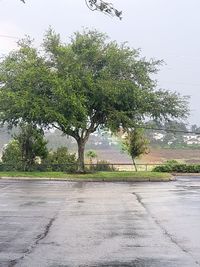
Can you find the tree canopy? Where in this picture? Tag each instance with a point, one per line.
(79, 87)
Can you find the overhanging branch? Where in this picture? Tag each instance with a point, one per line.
(104, 7)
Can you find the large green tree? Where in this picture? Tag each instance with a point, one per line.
(79, 87)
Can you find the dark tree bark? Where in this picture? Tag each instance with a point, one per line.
(81, 150)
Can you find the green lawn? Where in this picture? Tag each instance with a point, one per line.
(98, 176)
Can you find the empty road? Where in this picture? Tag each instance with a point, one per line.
(71, 224)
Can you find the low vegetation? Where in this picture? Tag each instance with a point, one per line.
(59, 160)
(25, 149)
(97, 176)
(173, 166)
(102, 165)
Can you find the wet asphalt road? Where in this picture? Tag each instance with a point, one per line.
(64, 224)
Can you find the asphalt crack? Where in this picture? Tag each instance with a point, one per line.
(29, 250)
(45, 233)
(164, 230)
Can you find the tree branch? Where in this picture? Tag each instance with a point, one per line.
(67, 131)
(92, 128)
(104, 7)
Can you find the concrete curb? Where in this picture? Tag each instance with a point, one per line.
(135, 180)
(185, 174)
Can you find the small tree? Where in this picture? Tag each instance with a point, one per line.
(91, 154)
(22, 151)
(136, 144)
(12, 156)
(32, 144)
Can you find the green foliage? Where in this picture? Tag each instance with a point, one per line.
(91, 154)
(60, 160)
(174, 166)
(82, 86)
(103, 165)
(171, 162)
(12, 157)
(136, 144)
(120, 176)
(32, 144)
(5, 135)
(22, 152)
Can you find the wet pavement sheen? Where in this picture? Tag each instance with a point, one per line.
(66, 224)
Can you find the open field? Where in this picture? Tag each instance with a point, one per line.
(182, 155)
(98, 176)
(155, 156)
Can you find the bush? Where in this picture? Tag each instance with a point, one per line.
(162, 168)
(60, 160)
(180, 168)
(12, 157)
(102, 165)
(22, 152)
(171, 162)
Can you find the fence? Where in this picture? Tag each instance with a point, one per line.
(125, 166)
(72, 167)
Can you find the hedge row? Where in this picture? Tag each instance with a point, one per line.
(67, 167)
(182, 168)
(39, 167)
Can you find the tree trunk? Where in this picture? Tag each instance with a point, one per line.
(81, 150)
(135, 165)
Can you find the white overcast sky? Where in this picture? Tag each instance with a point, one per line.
(163, 29)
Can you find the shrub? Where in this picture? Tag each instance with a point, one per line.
(59, 160)
(180, 168)
(22, 152)
(102, 165)
(171, 162)
(12, 157)
(162, 168)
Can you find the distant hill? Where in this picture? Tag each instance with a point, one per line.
(108, 147)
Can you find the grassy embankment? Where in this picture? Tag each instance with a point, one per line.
(98, 176)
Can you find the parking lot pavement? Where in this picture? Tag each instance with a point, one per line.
(65, 224)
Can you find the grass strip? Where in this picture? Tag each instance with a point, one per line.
(97, 176)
